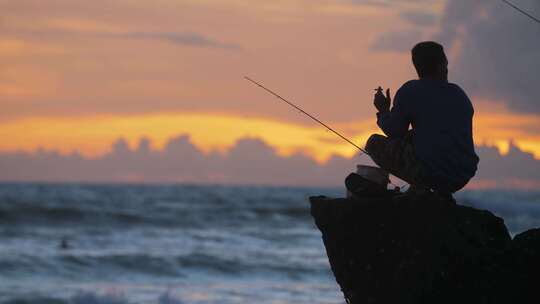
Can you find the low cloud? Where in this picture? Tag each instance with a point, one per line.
(516, 168)
(250, 161)
(419, 18)
(177, 38)
(394, 41)
(192, 39)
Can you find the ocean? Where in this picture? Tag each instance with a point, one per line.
(92, 244)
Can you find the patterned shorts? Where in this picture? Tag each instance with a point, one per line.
(396, 156)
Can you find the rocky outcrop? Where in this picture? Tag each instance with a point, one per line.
(424, 249)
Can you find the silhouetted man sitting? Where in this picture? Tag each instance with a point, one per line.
(438, 151)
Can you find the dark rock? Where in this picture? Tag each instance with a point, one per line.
(525, 255)
(424, 249)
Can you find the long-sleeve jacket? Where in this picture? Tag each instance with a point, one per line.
(440, 114)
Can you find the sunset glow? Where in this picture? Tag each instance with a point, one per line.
(92, 136)
(76, 76)
(229, 151)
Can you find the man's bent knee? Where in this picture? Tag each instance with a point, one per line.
(376, 143)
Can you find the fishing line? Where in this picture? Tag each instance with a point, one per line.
(521, 11)
(328, 128)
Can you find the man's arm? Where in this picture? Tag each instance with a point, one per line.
(395, 122)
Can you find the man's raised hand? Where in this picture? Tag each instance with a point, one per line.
(381, 102)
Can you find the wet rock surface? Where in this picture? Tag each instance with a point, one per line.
(424, 249)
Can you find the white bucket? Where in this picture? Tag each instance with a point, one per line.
(374, 174)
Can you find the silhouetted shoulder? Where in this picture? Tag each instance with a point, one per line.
(457, 88)
(463, 96)
(407, 88)
(411, 84)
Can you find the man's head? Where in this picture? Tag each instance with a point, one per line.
(430, 61)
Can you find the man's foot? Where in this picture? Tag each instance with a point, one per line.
(422, 190)
(445, 196)
(417, 189)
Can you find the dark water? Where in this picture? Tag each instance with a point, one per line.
(179, 244)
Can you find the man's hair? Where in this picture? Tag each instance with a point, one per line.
(427, 56)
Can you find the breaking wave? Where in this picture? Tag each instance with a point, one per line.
(63, 243)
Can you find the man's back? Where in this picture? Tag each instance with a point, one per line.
(441, 155)
(441, 117)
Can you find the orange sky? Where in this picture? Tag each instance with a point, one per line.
(76, 75)
(93, 135)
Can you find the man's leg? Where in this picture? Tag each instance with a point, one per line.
(396, 156)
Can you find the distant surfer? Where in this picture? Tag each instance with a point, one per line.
(64, 244)
(438, 151)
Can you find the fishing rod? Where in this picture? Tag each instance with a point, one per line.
(307, 114)
(533, 18)
(379, 89)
